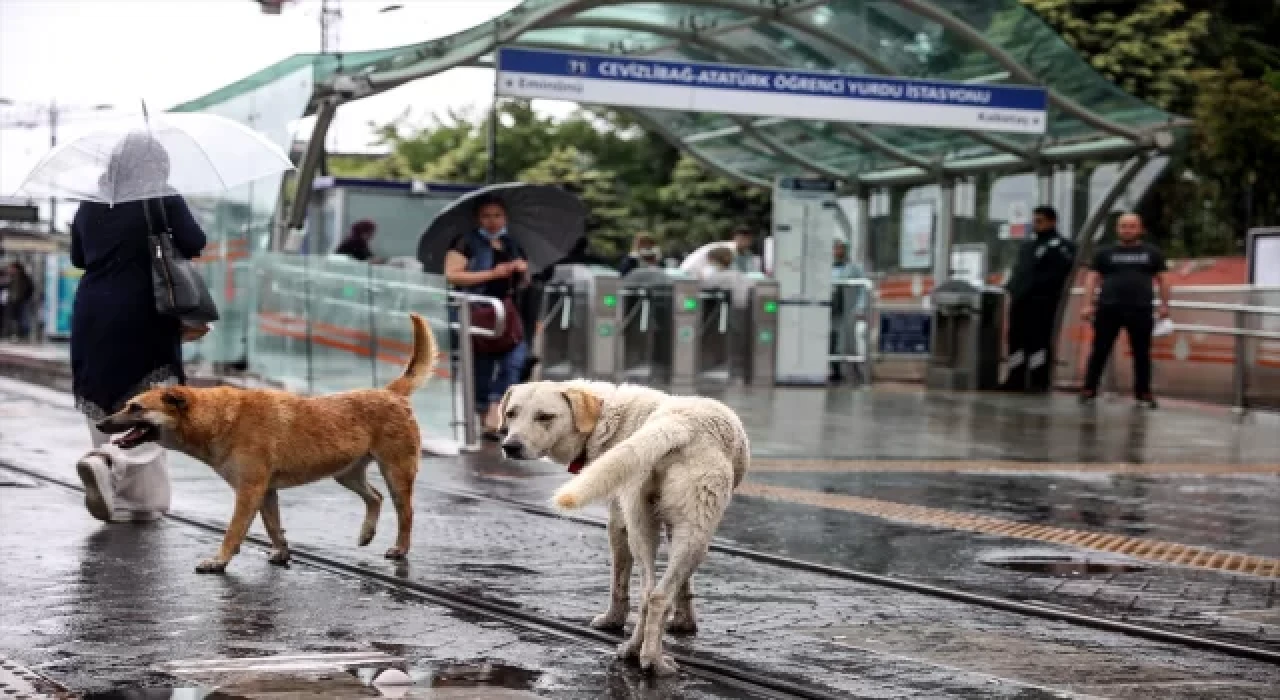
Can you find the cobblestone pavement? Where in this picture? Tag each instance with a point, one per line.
(858, 639)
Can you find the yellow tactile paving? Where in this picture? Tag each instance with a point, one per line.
(836, 466)
(1157, 551)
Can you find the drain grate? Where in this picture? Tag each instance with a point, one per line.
(1061, 565)
(1144, 549)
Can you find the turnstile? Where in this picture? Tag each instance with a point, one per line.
(579, 317)
(760, 346)
(657, 328)
(968, 325)
(719, 332)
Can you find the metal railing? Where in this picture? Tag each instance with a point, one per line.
(1225, 346)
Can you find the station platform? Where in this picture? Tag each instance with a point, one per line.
(887, 542)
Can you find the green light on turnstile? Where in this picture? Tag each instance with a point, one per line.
(690, 304)
(610, 301)
(766, 337)
(771, 307)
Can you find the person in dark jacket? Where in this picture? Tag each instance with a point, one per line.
(16, 321)
(356, 246)
(488, 262)
(1035, 289)
(120, 344)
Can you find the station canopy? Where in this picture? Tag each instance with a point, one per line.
(974, 41)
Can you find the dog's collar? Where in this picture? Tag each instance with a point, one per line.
(578, 463)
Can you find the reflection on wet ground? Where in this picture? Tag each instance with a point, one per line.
(445, 682)
(908, 424)
(756, 614)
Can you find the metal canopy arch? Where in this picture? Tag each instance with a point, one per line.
(977, 41)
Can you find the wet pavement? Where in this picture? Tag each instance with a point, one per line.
(851, 638)
(906, 423)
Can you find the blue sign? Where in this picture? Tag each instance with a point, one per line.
(905, 332)
(736, 89)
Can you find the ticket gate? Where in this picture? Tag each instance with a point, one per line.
(579, 317)
(657, 328)
(719, 331)
(759, 345)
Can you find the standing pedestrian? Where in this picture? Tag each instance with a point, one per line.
(17, 312)
(120, 344)
(641, 248)
(1035, 290)
(845, 268)
(356, 246)
(488, 262)
(1127, 271)
(745, 259)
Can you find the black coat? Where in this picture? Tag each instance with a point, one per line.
(1043, 265)
(119, 343)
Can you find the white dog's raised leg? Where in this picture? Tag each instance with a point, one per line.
(688, 548)
(620, 568)
(642, 535)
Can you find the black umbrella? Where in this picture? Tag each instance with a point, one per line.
(543, 219)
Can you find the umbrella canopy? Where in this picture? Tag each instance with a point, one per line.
(147, 157)
(543, 219)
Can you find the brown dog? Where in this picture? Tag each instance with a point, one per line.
(263, 440)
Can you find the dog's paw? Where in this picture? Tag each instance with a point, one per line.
(682, 625)
(395, 553)
(566, 500)
(609, 621)
(279, 557)
(366, 535)
(629, 649)
(211, 566)
(660, 665)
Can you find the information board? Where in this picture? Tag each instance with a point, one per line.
(689, 86)
(905, 332)
(915, 242)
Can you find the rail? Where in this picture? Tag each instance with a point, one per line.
(462, 302)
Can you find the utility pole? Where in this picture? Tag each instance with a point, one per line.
(53, 143)
(330, 25)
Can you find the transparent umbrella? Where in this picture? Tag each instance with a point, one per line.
(146, 157)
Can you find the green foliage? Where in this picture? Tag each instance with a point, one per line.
(1213, 60)
(1147, 47)
(702, 207)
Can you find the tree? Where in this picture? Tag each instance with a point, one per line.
(699, 207)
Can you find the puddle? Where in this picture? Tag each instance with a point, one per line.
(351, 683)
(486, 675)
(1061, 564)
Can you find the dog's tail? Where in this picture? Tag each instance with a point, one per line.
(631, 459)
(421, 363)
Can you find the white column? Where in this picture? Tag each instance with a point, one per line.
(943, 235)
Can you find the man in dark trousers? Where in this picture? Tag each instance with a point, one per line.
(1035, 289)
(1127, 271)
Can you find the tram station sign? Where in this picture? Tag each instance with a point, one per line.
(686, 86)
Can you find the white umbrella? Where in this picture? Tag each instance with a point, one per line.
(147, 157)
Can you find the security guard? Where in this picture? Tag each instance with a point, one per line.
(1035, 289)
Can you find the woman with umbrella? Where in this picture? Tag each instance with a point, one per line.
(488, 262)
(128, 319)
(120, 344)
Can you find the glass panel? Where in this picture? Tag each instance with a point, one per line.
(323, 325)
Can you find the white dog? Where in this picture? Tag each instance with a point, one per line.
(660, 460)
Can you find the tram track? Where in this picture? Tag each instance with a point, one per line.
(1047, 612)
(506, 612)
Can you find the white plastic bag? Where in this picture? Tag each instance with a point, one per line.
(1163, 327)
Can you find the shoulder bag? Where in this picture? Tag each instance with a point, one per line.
(180, 291)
